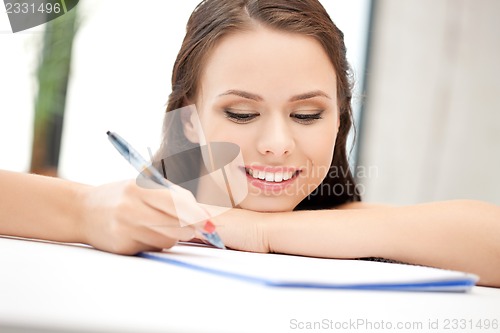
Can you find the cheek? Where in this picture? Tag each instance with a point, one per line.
(319, 150)
(227, 134)
(322, 159)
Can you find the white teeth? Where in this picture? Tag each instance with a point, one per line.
(276, 177)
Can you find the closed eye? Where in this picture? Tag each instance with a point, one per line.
(240, 117)
(307, 118)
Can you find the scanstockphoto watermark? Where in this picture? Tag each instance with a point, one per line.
(359, 172)
(341, 188)
(428, 325)
(354, 324)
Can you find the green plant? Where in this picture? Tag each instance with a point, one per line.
(53, 75)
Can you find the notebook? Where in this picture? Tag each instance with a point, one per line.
(278, 270)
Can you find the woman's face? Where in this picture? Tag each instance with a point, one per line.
(274, 94)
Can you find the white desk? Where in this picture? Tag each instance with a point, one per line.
(46, 287)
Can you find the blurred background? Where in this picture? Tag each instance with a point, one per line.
(427, 84)
(432, 120)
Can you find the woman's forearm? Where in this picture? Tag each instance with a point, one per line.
(119, 217)
(460, 235)
(40, 207)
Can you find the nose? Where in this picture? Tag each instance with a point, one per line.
(276, 138)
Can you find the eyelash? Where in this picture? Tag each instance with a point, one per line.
(243, 118)
(240, 118)
(307, 118)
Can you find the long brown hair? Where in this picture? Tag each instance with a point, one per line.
(213, 19)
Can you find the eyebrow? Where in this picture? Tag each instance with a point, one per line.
(255, 97)
(243, 94)
(309, 95)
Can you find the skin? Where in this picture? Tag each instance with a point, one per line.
(461, 235)
(119, 217)
(124, 218)
(277, 81)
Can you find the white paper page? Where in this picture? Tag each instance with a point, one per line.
(305, 270)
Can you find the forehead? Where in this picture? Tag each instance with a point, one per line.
(268, 62)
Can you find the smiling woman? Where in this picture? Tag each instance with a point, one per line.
(283, 97)
(270, 76)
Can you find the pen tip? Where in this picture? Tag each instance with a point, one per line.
(214, 239)
(108, 132)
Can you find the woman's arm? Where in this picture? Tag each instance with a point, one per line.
(459, 235)
(40, 207)
(120, 217)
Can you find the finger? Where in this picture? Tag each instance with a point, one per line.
(180, 233)
(141, 214)
(176, 201)
(153, 195)
(152, 238)
(147, 248)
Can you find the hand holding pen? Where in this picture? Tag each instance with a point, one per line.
(180, 195)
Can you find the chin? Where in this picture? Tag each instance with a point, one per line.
(268, 204)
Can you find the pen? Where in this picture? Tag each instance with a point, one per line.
(146, 169)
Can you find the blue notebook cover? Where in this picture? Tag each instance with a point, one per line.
(289, 271)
